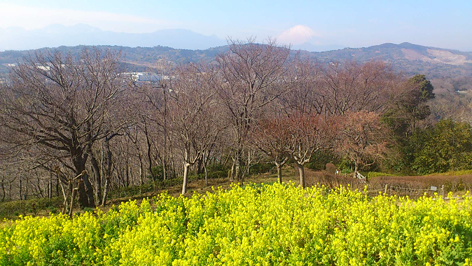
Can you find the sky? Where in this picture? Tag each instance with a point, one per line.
(357, 23)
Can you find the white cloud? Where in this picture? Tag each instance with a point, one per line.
(298, 34)
(12, 15)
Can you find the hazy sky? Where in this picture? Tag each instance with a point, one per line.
(357, 23)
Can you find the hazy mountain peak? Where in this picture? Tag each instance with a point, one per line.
(302, 37)
(297, 35)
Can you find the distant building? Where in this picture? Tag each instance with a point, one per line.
(142, 76)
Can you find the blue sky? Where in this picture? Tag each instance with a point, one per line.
(446, 24)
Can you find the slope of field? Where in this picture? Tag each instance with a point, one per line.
(265, 225)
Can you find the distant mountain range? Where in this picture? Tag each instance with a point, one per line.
(405, 57)
(81, 34)
(15, 38)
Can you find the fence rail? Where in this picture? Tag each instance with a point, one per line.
(409, 191)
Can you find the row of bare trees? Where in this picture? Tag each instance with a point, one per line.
(88, 128)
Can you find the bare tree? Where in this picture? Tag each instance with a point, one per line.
(61, 102)
(252, 76)
(193, 114)
(153, 100)
(272, 136)
(308, 134)
(350, 86)
(306, 95)
(362, 138)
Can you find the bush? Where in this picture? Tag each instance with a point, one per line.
(11, 209)
(130, 191)
(332, 181)
(217, 167)
(260, 168)
(320, 158)
(217, 174)
(157, 173)
(446, 146)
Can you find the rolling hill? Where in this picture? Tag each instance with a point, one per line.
(411, 59)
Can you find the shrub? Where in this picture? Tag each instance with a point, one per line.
(157, 173)
(10, 209)
(261, 168)
(320, 158)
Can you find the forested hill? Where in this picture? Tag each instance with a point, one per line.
(405, 57)
(409, 58)
(135, 59)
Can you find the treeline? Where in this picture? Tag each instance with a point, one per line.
(79, 125)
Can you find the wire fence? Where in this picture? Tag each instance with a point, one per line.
(410, 191)
(412, 187)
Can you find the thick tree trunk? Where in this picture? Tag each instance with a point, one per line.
(149, 151)
(356, 168)
(233, 170)
(85, 190)
(57, 186)
(206, 157)
(127, 170)
(98, 179)
(71, 209)
(21, 188)
(141, 174)
(38, 186)
(206, 175)
(83, 198)
(105, 191)
(26, 187)
(164, 169)
(301, 172)
(3, 190)
(9, 191)
(279, 172)
(200, 166)
(107, 170)
(238, 173)
(184, 184)
(50, 184)
(64, 194)
(247, 171)
(86, 197)
(236, 167)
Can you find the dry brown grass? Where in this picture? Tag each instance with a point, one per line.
(419, 185)
(412, 186)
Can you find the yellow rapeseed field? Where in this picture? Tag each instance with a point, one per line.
(255, 225)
